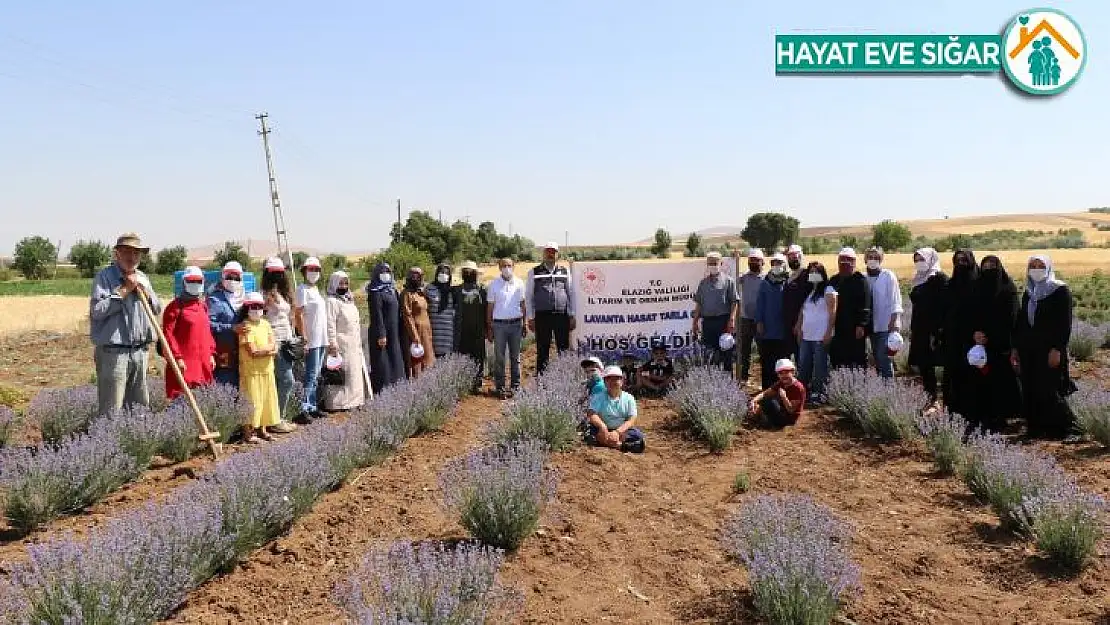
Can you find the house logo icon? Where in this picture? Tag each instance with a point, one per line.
(1044, 51)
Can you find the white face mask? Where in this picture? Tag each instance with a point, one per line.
(714, 269)
(386, 278)
(312, 276)
(815, 278)
(921, 266)
(255, 314)
(232, 286)
(194, 288)
(1038, 275)
(874, 264)
(507, 273)
(778, 270)
(443, 278)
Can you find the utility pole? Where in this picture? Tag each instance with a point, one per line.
(441, 217)
(566, 243)
(275, 201)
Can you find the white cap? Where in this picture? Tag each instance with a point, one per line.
(784, 364)
(794, 249)
(895, 342)
(592, 360)
(333, 362)
(778, 258)
(192, 271)
(311, 262)
(755, 253)
(726, 341)
(716, 255)
(273, 263)
(468, 265)
(254, 297)
(846, 252)
(551, 245)
(233, 266)
(416, 350)
(612, 371)
(977, 356)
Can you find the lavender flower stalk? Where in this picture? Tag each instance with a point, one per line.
(1085, 340)
(64, 411)
(1006, 476)
(499, 492)
(223, 407)
(1091, 405)
(407, 583)
(9, 421)
(711, 403)
(796, 553)
(944, 436)
(1066, 523)
(551, 409)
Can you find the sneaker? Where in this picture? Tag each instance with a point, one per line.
(317, 414)
(254, 440)
(303, 419)
(283, 428)
(1073, 439)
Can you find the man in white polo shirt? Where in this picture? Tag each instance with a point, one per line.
(505, 325)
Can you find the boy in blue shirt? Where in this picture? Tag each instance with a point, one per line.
(594, 385)
(612, 416)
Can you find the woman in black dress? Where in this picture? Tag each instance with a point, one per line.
(927, 316)
(959, 330)
(996, 395)
(387, 364)
(1040, 354)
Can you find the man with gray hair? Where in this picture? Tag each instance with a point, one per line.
(119, 327)
(715, 307)
(750, 284)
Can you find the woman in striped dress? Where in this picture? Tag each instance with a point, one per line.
(441, 311)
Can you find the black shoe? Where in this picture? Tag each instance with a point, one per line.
(303, 419)
(633, 447)
(316, 414)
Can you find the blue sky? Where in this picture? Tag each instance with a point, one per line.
(607, 118)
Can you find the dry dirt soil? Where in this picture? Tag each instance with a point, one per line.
(634, 539)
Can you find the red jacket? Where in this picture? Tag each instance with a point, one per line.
(189, 338)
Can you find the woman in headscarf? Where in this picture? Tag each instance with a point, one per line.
(345, 342)
(441, 311)
(418, 326)
(224, 303)
(470, 320)
(927, 317)
(278, 312)
(995, 393)
(188, 335)
(959, 330)
(1040, 353)
(387, 364)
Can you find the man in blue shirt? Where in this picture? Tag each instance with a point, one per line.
(119, 327)
(770, 322)
(612, 416)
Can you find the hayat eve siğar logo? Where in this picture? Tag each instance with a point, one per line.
(1045, 51)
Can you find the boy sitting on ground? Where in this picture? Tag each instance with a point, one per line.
(656, 376)
(631, 373)
(612, 416)
(780, 404)
(594, 385)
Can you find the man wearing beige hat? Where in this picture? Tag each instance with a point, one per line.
(119, 327)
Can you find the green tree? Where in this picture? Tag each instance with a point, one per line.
(662, 245)
(424, 232)
(334, 262)
(298, 259)
(768, 230)
(89, 256)
(34, 256)
(849, 240)
(171, 259)
(890, 235)
(693, 245)
(401, 257)
(231, 251)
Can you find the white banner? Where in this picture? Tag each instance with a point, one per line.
(622, 305)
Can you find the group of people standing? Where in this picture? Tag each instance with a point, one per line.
(1003, 356)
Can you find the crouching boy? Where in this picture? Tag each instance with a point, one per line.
(781, 403)
(612, 416)
(656, 376)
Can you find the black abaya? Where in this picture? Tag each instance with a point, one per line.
(959, 330)
(927, 320)
(387, 364)
(996, 395)
(1046, 409)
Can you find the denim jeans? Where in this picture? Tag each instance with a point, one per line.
(883, 364)
(120, 378)
(506, 335)
(313, 360)
(283, 371)
(813, 367)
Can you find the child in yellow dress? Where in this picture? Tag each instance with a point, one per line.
(256, 369)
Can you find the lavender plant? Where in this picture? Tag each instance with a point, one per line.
(1091, 406)
(9, 421)
(796, 553)
(46, 483)
(1005, 476)
(136, 429)
(435, 397)
(178, 433)
(944, 437)
(848, 390)
(1066, 523)
(64, 411)
(223, 407)
(551, 409)
(710, 402)
(426, 582)
(1085, 340)
(499, 492)
(156, 389)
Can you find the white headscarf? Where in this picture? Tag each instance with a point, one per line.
(930, 256)
(333, 285)
(1040, 290)
(236, 295)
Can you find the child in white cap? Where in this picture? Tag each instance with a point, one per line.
(256, 369)
(782, 403)
(612, 415)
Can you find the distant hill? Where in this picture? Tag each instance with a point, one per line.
(1086, 222)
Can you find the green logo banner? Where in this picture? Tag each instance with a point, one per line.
(890, 54)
